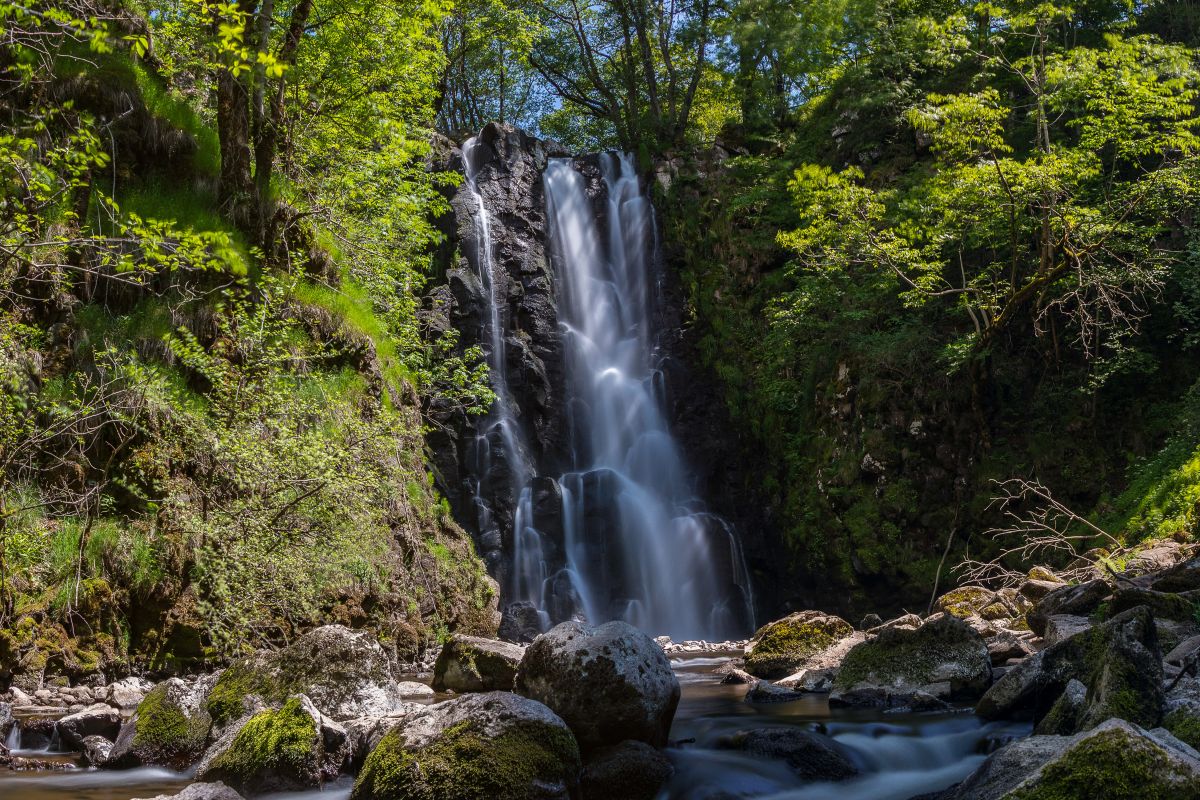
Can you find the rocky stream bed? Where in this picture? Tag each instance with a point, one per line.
(1049, 690)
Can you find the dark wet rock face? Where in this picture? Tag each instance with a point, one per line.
(508, 164)
(811, 756)
(630, 770)
(609, 683)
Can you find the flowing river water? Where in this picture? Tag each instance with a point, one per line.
(899, 755)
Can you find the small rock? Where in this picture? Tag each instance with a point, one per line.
(1183, 651)
(1034, 591)
(738, 677)
(96, 720)
(1080, 600)
(869, 621)
(812, 756)
(127, 693)
(768, 692)
(96, 751)
(414, 689)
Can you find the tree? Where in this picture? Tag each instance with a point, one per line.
(634, 65)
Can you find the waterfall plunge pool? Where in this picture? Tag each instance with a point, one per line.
(900, 755)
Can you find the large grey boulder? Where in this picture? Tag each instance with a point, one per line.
(609, 683)
(202, 791)
(127, 692)
(99, 719)
(472, 664)
(345, 673)
(630, 770)
(1078, 600)
(1119, 663)
(788, 645)
(812, 756)
(169, 728)
(944, 658)
(495, 745)
(1113, 761)
(278, 749)
(1183, 577)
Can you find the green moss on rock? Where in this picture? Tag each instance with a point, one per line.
(1184, 726)
(1111, 765)
(462, 764)
(966, 601)
(274, 747)
(780, 648)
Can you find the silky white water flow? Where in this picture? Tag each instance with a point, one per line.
(500, 427)
(638, 544)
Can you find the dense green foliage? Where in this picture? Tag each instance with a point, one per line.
(927, 245)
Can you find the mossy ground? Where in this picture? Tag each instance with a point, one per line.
(1184, 726)
(463, 765)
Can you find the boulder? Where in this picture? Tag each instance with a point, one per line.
(1183, 577)
(966, 601)
(202, 791)
(1178, 655)
(1181, 711)
(1034, 590)
(1081, 600)
(609, 683)
(345, 673)
(496, 745)
(1006, 645)
(812, 756)
(96, 751)
(127, 692)
(1114, 761)
(365, 734)
(6, 720)
(414, 689)
(169, 728)
(100, 719)
(1066, 715)
(1119, 663)
(945, 658)
(821, 668)
(471, 664)
(783, 647)
(288, 748)
(630, 770)
(869, 621)
(521, 622)
(1164, 605)
(1061, 627)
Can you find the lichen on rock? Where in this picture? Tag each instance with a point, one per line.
(780, 648)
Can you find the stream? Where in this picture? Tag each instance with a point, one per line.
(900, 755)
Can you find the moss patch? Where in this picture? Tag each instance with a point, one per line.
(163, 727)
(1184, 726)
(945, 649)
(282, 742)
(464, 765)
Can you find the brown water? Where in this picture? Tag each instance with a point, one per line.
(899, 755)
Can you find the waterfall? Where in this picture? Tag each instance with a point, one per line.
(638, 544)
(620, 532)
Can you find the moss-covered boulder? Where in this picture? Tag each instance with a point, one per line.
(966, 601)
(1181, 606)
(345, 673)
(945, 658)
(609, 683)
(1080, 599)
(472, 664)
(783, 647)
(496, 745)
(169, 728)
(1119, 662)
(278, 749)
(1114, 761)
(1183, 577)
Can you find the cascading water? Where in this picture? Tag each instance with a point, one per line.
(637, 543)
(499, 434)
